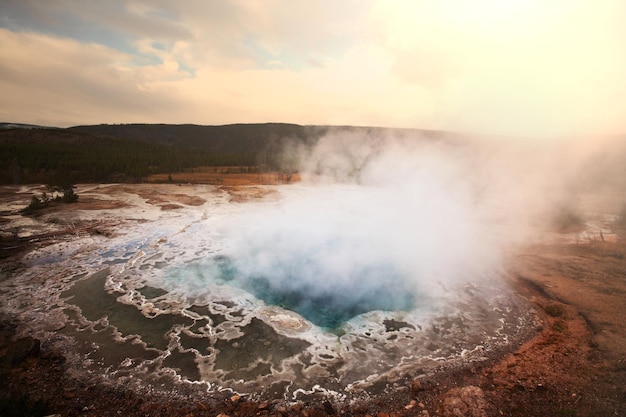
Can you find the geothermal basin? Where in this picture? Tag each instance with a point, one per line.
(261, 291)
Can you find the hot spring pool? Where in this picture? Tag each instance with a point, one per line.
(269, 299)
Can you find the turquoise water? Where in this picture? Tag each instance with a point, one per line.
(327, 303)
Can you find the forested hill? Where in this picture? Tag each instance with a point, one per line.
(130, 152)
(233, 138)
(236, 138)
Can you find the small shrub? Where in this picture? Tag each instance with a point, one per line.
(69, 196)
(621, 217)
(38, 203)
(34, 205)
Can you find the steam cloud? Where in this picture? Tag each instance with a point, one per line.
(376, 224)
(391, 223)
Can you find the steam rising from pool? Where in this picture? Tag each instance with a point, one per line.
(383, 261)
(395, 232)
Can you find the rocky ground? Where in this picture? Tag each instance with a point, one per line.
(575, 365)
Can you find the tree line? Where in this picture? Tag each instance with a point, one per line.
(131, 152)
(50, 156)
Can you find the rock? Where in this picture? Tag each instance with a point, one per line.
(419, 386)
(264, 405)
(416, 386)
(69, 395)
(465, 402)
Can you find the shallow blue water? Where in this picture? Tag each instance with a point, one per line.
(368, 288)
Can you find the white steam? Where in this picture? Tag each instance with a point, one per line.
(385, 216)
(371, 214)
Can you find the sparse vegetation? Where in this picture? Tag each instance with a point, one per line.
(621, 217)
(35, 204)
(59, 194)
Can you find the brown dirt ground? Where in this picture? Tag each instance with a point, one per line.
(227, 176)
(574, 366)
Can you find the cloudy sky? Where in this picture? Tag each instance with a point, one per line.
(522, 67)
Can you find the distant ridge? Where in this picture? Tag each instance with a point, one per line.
(225, 138)
(5, 125)
(249, 137)
(131, 152)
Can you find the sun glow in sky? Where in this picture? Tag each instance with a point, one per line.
(523, 68)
